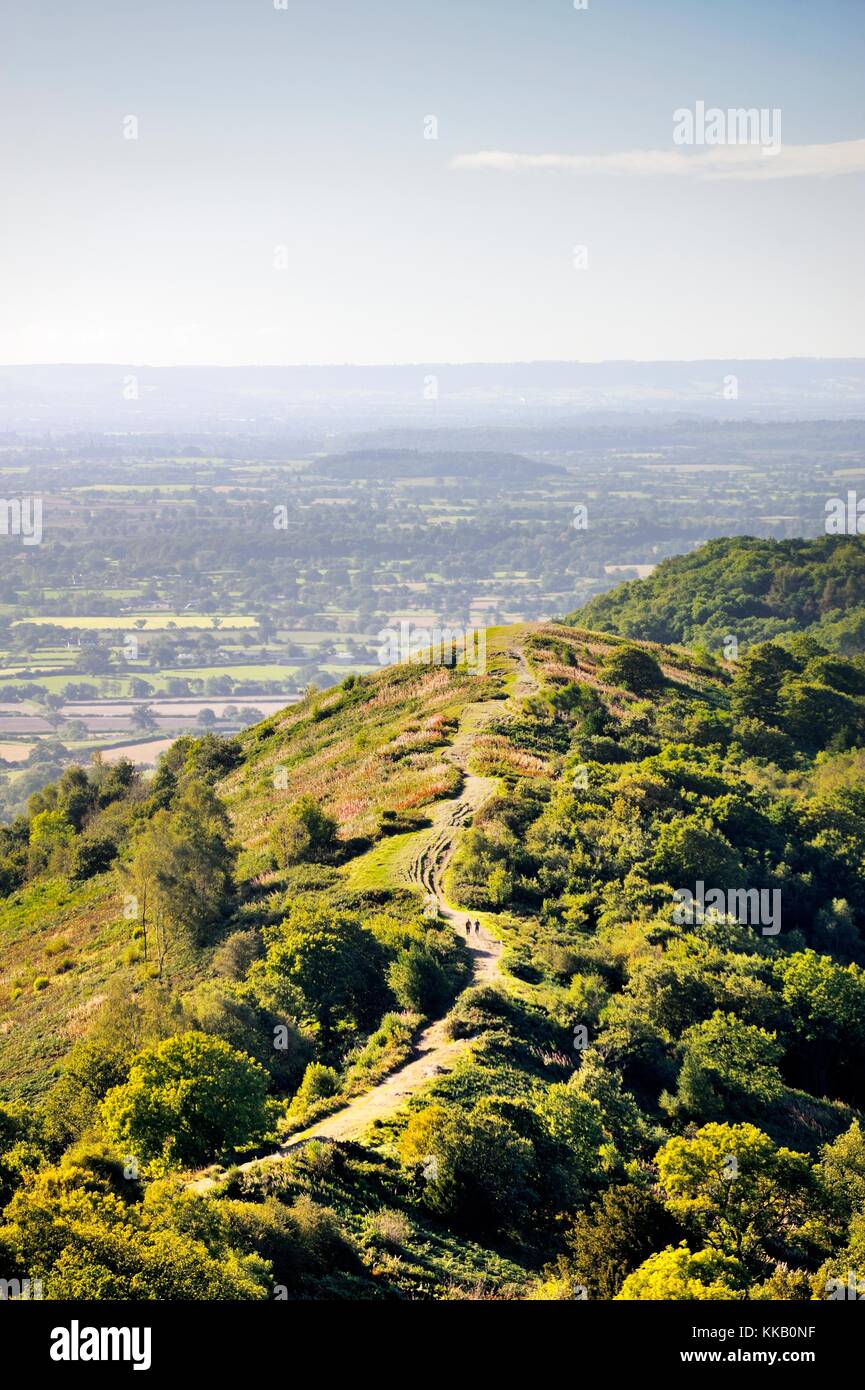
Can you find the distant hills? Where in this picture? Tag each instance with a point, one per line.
(334, 399)
(747, 587)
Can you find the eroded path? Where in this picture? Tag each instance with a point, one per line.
(434, 1052)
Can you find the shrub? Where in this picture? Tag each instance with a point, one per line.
(188, 1100)
(635, 669)
(237, 953)
(304, 832)
(418, 981)
(387, 1228)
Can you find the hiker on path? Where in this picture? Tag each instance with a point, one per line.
(468, 926)
(477, 928)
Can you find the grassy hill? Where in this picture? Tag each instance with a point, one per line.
(248, 1048)
(756, 590)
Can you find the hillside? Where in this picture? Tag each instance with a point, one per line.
(755, 590)
(249, 1049)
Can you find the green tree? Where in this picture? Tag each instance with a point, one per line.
(179, 874)
(620, 1230)
(678, 1274)
(143, 718)
(70, 1228)
(691, 848)
(500, 886)
(418, 981)
(756, 689)
(575, 1122)
(729, 1069)
(825, 1011)
(50, 829)
(841, 1171)
(188, 1100)
(635, 669)
(323, 967)
(304, 832)
(736, 1188)
(479, 1171)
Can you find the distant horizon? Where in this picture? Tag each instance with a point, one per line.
(430, 362)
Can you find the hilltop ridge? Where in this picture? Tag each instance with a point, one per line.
(253, 974)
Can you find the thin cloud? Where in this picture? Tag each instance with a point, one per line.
(714, 162)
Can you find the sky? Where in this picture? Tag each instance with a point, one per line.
(283, 202)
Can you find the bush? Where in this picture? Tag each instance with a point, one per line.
(387, 1228)
(304, 832)
(315, 1096)
(237, 953)
(189, 1100)
(418, 981)
(91, 857)
(633, 668)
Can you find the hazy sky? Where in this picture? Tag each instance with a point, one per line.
(302, 128)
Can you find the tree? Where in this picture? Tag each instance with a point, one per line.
(635, 669)
(180, 872)
(91, 1068)
(500, 886)
(304, 832)
(758, 740)
(418, 981)
(842, 1274)
(599, 1081)
(74, 731)
(479, 1171)
(841, 1172)
(49, 830)
(729, 1069)
(815, 714)
(187, 1101)
(575, 1122)
(81, 1230)
(621, 1229)
(142, 717)
(324, 968)
(825, 1004)
(678, 1274)
(756, 688)
(213, 1007)
(691, 848)
(736, 1188)
(22, 1144)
